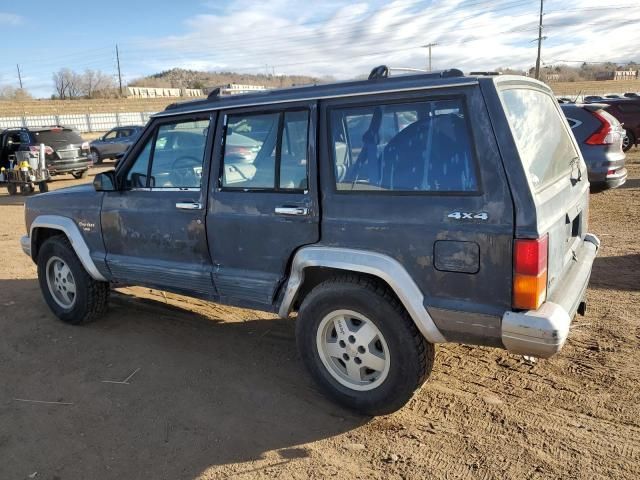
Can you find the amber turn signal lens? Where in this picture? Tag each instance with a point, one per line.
(529, 291)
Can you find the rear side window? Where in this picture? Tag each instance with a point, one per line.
(409, 147)
(266, 151)
(544, 144)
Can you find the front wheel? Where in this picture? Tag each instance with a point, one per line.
(12, 189)
(95, 156)
(43, 187)
(361, 346)
(71, 293)
(79, 175)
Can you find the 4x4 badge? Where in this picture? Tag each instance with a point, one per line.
(469, 215)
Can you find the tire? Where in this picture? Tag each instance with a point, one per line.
(79, 175)
(27, 189)
(91, 297)
(12, 189)
(43, 187)
(97, 158)
(403, 357)
(629, 140)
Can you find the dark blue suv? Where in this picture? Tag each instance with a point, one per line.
(390, 214)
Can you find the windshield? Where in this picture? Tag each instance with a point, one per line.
(543, 141)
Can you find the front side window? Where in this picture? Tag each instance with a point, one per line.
(172, 157)
(266, 151)
(410, 147)
(111, 135)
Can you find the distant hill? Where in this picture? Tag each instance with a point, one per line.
(181, 78)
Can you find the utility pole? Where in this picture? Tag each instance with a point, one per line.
(19, 75)
(539, 41)
(429, 45)
(119, 72)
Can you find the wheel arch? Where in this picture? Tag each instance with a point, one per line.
(46, 226)
(311, 264)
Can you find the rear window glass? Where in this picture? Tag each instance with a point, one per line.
(629, 107)
(544, 144)
(57, 137)
(410, 147)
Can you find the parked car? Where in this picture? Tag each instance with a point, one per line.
(113, 142)
(600, 137)
(627, 111)
(631, 95)
(613, 95)
(65, 150)
(385, 212)
(592, 98)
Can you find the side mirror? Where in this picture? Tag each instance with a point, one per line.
(118, 156)
(105, 181)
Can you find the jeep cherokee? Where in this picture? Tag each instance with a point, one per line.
(391, 214)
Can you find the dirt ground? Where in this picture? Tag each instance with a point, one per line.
(216, 392)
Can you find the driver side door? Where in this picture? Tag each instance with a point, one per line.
(154, 225)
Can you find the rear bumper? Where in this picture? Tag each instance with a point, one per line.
(614, 180)
(66, 166)
(542, 332)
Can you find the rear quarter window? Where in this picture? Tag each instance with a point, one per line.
(544, 143)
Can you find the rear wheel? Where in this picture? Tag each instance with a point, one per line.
(71, 293)
(361, 346)
(43, 187)
(628, 141)
(80, 174)
(27, 189)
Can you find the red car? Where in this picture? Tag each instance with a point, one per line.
(627, 111)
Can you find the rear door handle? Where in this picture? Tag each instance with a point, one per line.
(292, 211)
(189, 206)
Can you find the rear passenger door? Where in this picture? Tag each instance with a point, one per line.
(418, 177)
(263, 199)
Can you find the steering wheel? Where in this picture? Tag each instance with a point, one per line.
(183, 169)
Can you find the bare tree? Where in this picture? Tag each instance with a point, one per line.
(95, 83)
(8, 92)
(60, 83)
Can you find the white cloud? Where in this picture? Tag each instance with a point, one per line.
(345, 40)
(10, 19)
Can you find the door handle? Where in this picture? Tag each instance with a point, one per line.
(189, 206)
(292, 211)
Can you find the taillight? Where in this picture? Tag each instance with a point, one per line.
(604, 134)
(36, 150)
(530, 272)
(84, 146)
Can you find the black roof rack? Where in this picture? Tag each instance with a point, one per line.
(379, 79)
(382, 71)
(215, 93)
(482, 74)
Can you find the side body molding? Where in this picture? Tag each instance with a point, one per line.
(71, 230)
(382, 266)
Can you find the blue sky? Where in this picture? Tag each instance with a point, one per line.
(334, 37)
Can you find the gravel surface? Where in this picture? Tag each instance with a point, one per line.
(218, 392)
